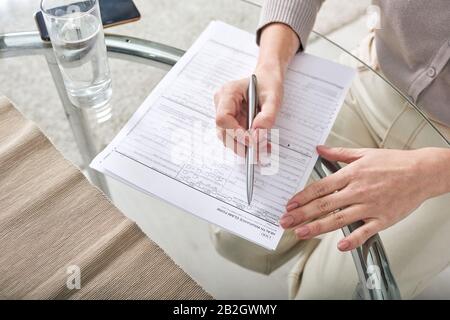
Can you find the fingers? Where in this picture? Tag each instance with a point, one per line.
(317, 208)
(238, 145)
(231, 116)
(359, 236)
(225, 117)
(338, 220)
(331, 222)
(264, 153)
(231, 143)
(318, 189)
(346, 155)
(228, 101)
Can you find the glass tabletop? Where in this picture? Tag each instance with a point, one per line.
(375, 115)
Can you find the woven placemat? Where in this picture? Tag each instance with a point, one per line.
(54, 223)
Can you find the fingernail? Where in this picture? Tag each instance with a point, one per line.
(292, 206)
(302, 231)
(343, 245)
(248, 140)
(286, 221)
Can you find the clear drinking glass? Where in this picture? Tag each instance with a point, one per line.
(76, 32)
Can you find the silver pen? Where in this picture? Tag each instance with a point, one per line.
(250, 154)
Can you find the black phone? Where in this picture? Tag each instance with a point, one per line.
(113, 12)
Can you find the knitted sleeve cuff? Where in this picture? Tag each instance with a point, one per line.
(297, 14)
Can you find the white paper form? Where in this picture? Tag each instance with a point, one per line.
(153, 152)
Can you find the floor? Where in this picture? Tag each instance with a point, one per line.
(184, 237)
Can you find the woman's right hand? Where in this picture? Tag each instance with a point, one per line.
(231, 109)
(278, 44)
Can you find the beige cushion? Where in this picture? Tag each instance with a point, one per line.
(51, 218)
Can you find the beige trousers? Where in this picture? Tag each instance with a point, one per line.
(373, 115)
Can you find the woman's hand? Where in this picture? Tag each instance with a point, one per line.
(231, 108)
(278, 44)
(378, 186)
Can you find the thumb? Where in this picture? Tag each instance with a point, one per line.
(346, 155)
(265, 119)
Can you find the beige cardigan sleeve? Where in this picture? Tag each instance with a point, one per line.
(298, 14)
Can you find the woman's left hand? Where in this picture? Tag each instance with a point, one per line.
(378, 186)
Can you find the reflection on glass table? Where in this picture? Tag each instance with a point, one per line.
(184, 237)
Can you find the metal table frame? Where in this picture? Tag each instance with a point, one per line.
(376, 281)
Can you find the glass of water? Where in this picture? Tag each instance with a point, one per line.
(76, 32)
